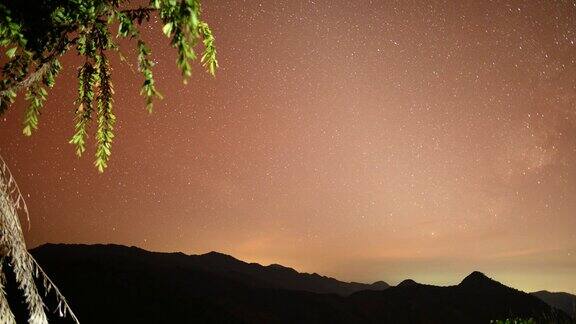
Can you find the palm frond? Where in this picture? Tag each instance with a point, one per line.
(25, 267)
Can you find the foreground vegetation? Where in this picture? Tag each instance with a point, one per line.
(34, 35)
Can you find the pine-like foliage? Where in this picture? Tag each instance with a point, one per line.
(13, 249)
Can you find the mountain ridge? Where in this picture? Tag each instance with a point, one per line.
(118, 284)
(274, 275)
(561, 300)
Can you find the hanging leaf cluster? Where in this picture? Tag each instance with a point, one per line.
(33, 40)
(34, 34)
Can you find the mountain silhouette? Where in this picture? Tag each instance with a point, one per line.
(479, 281)
(477, 299)
(407, 283)
(560, 300)
(118, 284)
(277, 276)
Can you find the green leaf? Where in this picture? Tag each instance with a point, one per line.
(11, 52)
(27, 130)
(167, 29)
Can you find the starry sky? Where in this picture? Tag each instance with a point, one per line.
(366, 140)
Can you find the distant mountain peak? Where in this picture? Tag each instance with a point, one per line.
(214, 253)
(477, 275)
(280, 267)
(380, 283)
(219, 255)
(407, 283)
(478, 279)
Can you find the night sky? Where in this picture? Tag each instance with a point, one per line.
(365, 140)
